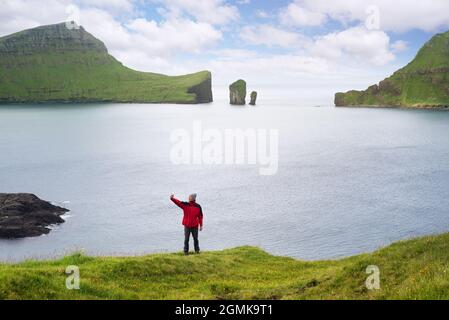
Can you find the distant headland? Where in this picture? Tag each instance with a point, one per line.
(423, 83)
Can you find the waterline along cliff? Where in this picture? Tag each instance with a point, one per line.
(423, 83)
(58, 64)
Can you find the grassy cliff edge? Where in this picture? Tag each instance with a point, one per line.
(413, 269)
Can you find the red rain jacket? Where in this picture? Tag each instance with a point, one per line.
(193, 214)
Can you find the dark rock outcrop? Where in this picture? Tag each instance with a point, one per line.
(25, 215)
(237, 93)
(203, 91)
(253, 98)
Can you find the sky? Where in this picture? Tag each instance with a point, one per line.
(315, 46)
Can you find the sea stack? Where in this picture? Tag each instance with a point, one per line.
(253, 98)
(25, 215)
(237, 93)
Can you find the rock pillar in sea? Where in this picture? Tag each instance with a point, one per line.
(237, 93)
(253, 98)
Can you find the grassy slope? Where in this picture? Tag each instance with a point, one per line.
(77, 73)
(415, 269)
(423, 82)
(94, 83)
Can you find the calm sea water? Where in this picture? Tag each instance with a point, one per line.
(349, 180)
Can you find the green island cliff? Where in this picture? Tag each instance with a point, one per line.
(58, 64)
(423, 83)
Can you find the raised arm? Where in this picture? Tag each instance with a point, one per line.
(177, 202)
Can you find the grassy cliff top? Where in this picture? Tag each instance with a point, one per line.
(414, 269)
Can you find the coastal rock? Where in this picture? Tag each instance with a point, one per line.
(253, 98)
(237, 92)
(25, 215)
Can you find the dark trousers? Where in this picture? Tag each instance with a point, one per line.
(194, 232)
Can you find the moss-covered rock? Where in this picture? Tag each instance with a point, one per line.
(237, 93)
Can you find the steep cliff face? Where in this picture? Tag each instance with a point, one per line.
(56, 63)
(423, 83)
(203, 90)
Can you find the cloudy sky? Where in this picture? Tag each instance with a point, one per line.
(308, 44)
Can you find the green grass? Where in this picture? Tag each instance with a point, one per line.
(50, 78)
(52, 63)
(414, 269)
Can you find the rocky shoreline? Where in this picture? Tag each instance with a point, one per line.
(25, 215)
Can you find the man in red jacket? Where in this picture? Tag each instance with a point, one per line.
(193, 219)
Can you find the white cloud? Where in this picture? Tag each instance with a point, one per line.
(112, 5)
(23, 14)
(233, 54)
(262, 14)
(277, 64)
(399, 15)
(215, 12)
(173, 35)
(268, 35)
(295, 14)
(356, 43)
